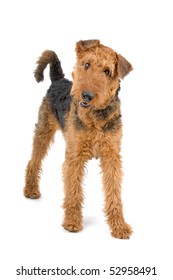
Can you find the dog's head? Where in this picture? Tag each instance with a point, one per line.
(97, 73)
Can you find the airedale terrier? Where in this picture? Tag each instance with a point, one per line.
(88, 113)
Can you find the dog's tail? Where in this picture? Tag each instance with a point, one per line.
(56, 72)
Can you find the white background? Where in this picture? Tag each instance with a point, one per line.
(31, 232)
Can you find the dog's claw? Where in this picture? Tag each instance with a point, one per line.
(72, 227)
(122, 232)
(33, 194)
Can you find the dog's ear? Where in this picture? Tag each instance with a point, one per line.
(84, 45)
(123, 66)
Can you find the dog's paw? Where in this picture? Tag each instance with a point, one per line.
(31, 193)
(72, 227)
(122, 232)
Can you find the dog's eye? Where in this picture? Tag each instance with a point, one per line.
(107, 72)
(86, 66)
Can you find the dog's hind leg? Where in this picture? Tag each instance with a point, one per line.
(44, 134)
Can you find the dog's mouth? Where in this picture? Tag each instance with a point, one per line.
(84, 104)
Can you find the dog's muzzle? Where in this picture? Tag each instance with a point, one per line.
(87, 97)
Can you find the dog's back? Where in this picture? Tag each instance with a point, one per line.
(60, 99)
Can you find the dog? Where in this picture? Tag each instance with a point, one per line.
(87, 111)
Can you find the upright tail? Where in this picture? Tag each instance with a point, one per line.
(56, 72)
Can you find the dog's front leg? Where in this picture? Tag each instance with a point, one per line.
(112, 176)
(73, 172)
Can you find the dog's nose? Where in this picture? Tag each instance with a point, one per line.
(87, 96)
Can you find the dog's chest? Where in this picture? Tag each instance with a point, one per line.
(96, 141)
